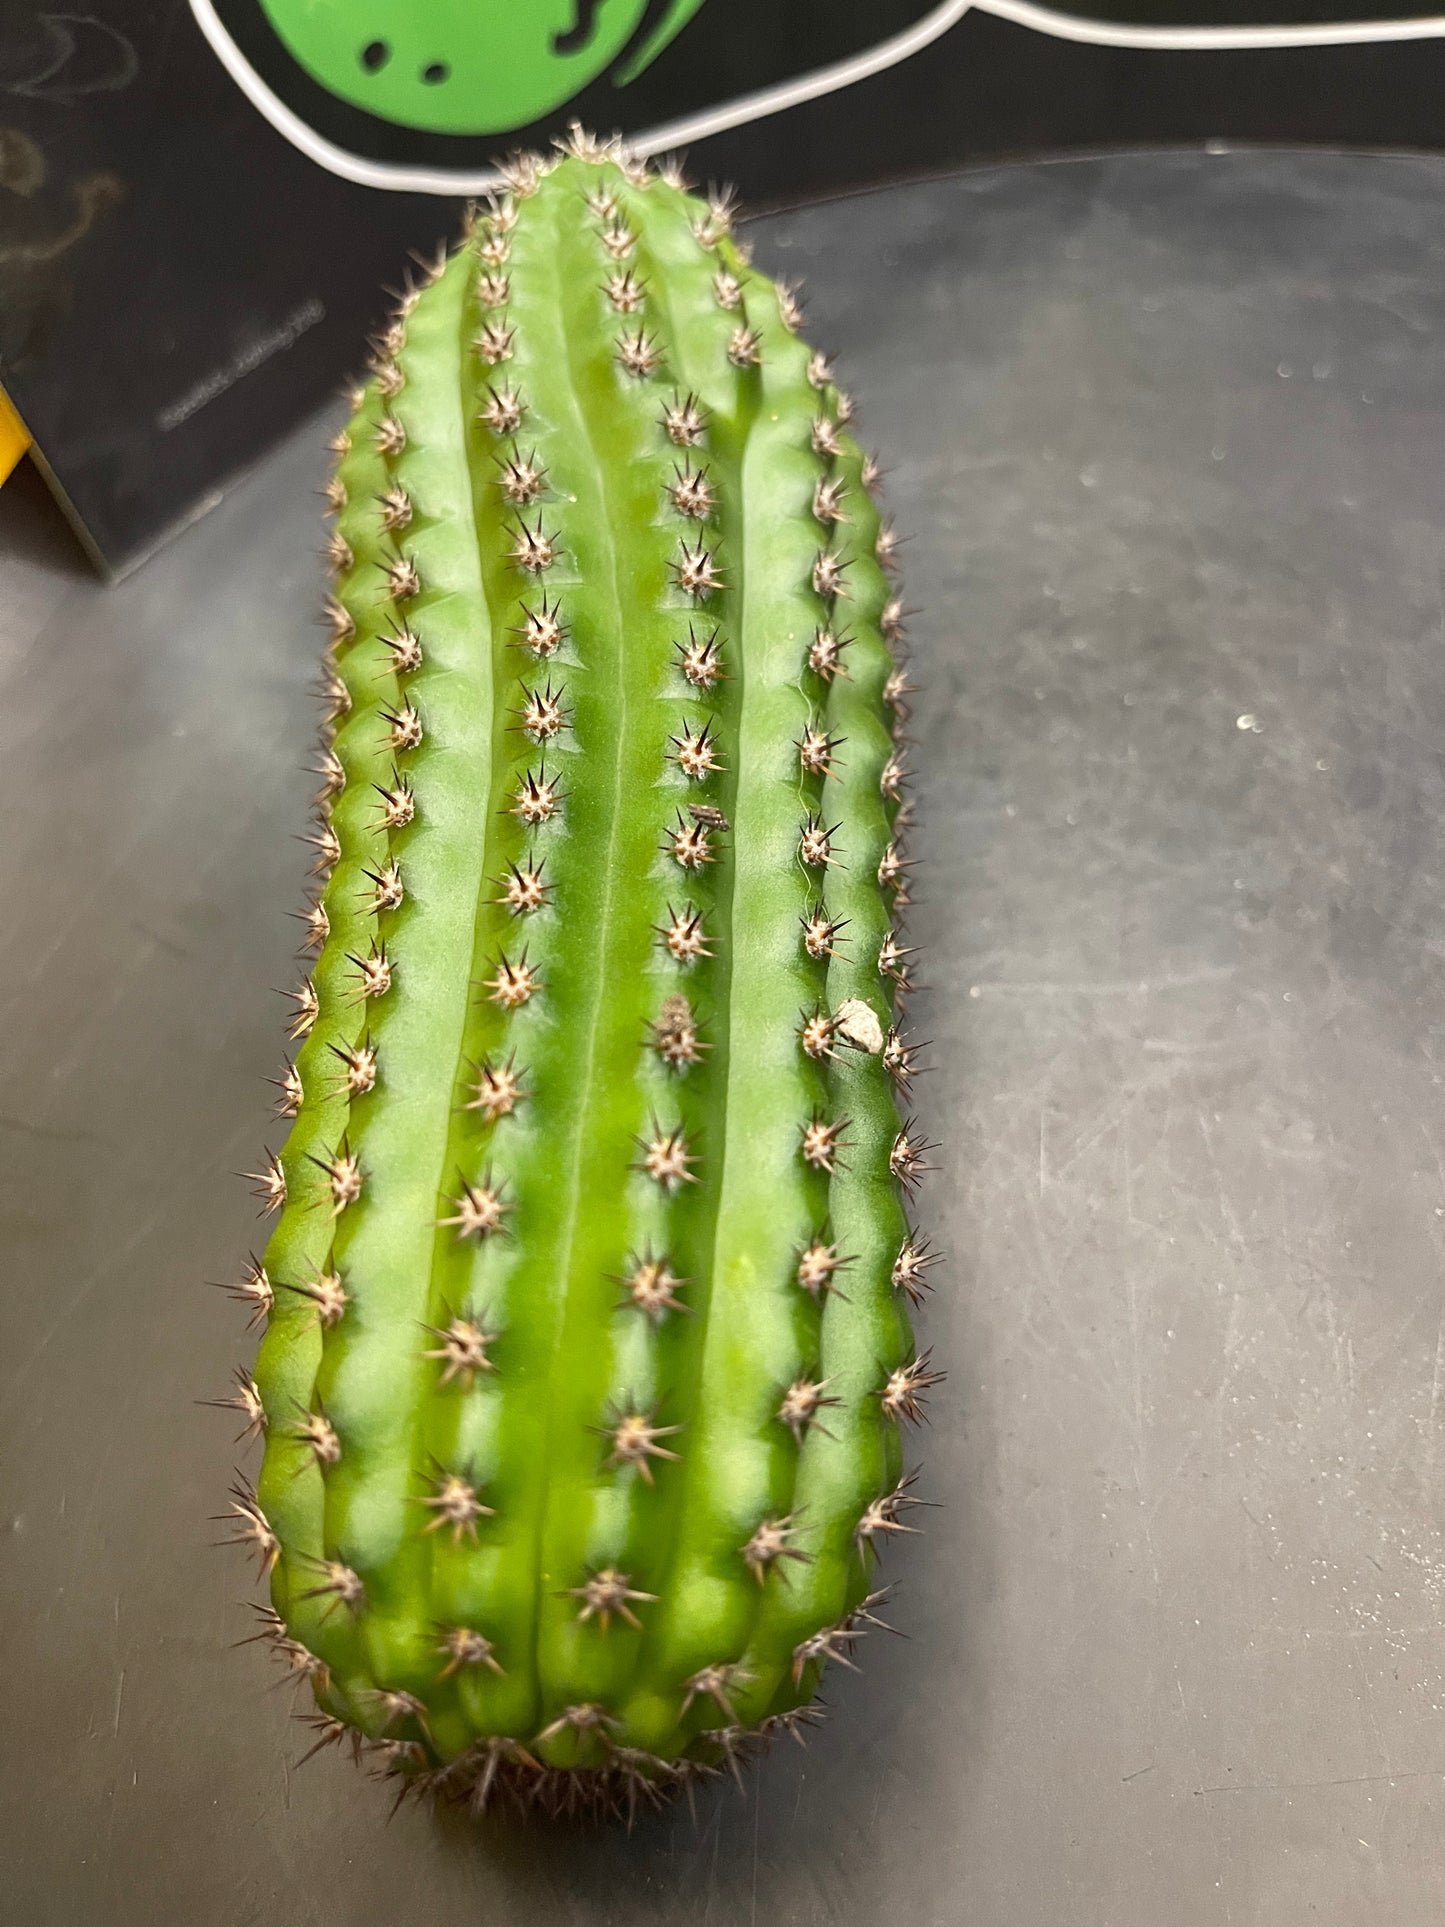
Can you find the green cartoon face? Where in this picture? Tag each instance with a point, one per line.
(470, 66)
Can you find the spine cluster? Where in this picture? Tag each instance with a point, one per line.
(586, 1348)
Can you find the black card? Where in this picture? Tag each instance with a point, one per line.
(201, 201)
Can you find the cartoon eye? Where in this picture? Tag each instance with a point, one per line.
(436, 73)
(374, 55)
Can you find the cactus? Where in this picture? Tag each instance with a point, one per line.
(586, 1343)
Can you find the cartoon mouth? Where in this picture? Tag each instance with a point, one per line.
(581, 32)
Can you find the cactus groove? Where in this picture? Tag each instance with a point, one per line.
(586, 1352)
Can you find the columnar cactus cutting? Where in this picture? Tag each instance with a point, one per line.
(587, 1351)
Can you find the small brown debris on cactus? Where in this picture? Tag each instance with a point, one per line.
(857, 1024)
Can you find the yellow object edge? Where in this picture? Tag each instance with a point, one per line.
(14, 437)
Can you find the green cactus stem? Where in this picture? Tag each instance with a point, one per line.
(586, 1351)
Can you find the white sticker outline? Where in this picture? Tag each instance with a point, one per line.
(402, 178)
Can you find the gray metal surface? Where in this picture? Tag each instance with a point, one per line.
(1170, 438)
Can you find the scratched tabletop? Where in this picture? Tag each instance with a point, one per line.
(1168, 434)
